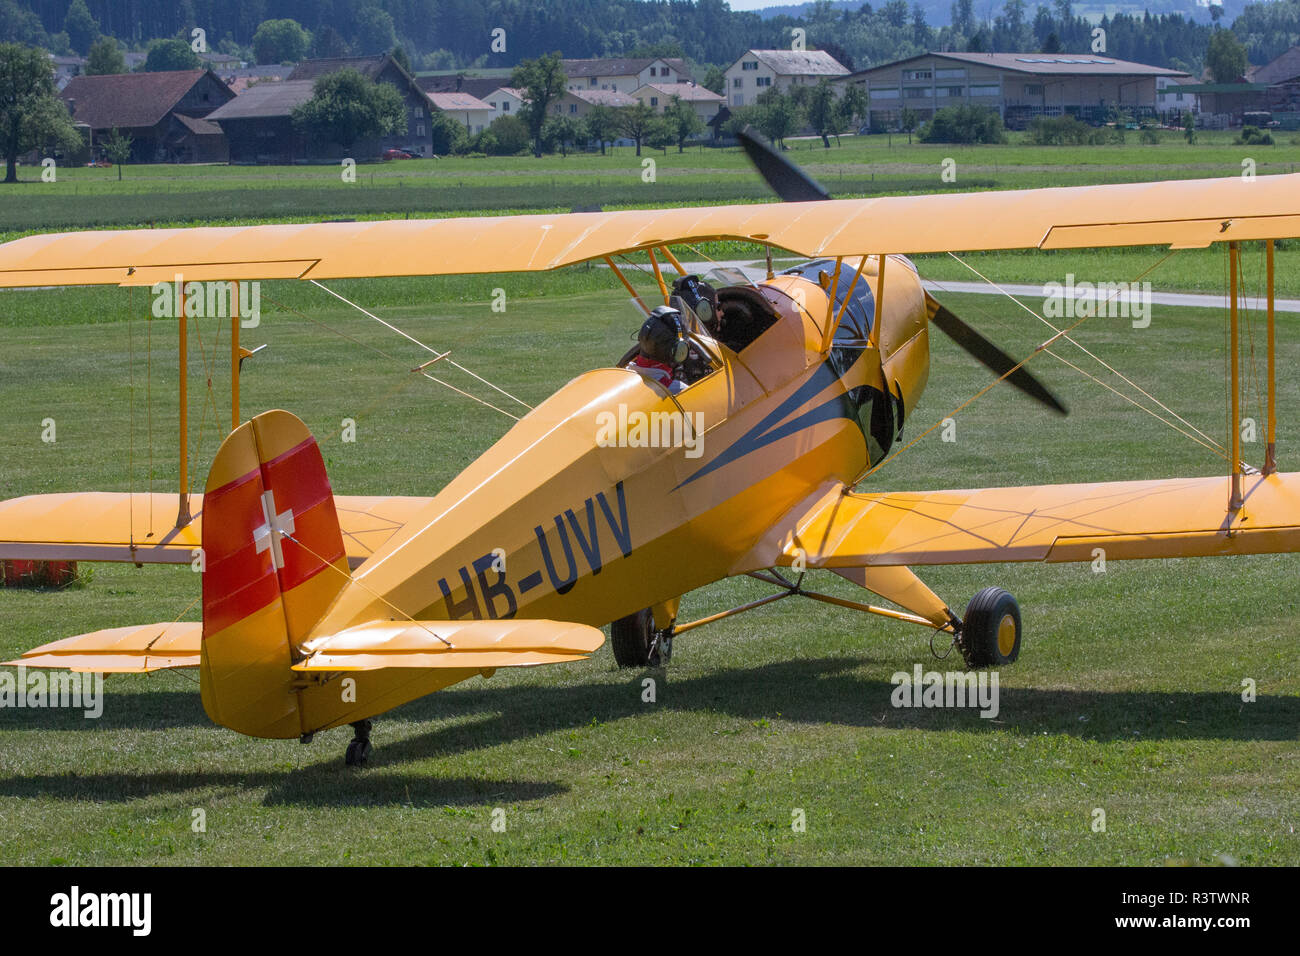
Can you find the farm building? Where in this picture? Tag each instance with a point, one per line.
(1019, 86)
(165, 114)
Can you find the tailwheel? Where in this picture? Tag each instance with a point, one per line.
(359, 749)
(990, 633)
(637, 643)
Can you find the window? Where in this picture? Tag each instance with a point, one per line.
(737, 99)
(762, 81)
(952, 90)
(749, 65)
(419, 112)
(654, 71)
(592, 82)
(1033, 89)
(1179, 97)
(916, 92)
(505, 106)
(738, 82)
(917, 75)
(419, 129)
(573, 107)
(654, 101)
(949, 74)
(884, 94)
(989, 90)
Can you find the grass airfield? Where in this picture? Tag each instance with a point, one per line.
(1126, 698)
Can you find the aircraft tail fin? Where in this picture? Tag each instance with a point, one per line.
(273, 561)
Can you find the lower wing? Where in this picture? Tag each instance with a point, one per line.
(1176, 517)
(141, 528)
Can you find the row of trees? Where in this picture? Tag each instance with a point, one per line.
(454, 34)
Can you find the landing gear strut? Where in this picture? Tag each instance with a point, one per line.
(359, 749)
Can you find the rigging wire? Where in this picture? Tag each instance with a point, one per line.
(439, 355)
(390, 357)
(1086, 351)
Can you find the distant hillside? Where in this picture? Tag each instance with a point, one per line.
(938, 13)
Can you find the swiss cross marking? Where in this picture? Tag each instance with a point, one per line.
(268, 535)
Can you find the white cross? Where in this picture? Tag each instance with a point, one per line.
(268, 535)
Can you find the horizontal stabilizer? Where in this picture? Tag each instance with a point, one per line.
(121, 650)
(468, 644)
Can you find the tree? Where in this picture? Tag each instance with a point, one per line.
(561, 131)
(964, 124)
(327, 44)
(118, 149)
(682, 121)
(658, 134)
(81, 27)
(1189, 127)
(280, 41)
(105, 58)
(400, 58)
(505, 136)
(908, 121)
(449, 134)
(635, 122)
(374, 32)
(853, 106)
(167, 55)
(601, 124)
(778, 116)
(542, 81)
(31, 114)
(715, 80)
(1225, 57)
(346, 107)
(824, 115)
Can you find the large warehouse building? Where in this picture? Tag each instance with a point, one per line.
(1019, 86)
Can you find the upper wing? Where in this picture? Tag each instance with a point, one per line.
(1178, 517)
(1185, 213)
(111, 526)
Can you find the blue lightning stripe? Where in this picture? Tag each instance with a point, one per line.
(770, 430)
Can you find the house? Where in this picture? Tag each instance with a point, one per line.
(479, 86)
(382, 68)
(468, 110)
(1173, 100)
(624, 74)
(504, 101)
(161, 112)
(705, 102)
(65, 68)
(758, 71)
(1282, 77)
(1019, 86)
(259, 122)
(576, 104)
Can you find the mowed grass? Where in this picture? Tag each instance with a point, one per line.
(1127, 697)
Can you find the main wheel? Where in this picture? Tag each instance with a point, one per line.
(990, 633)
(636, 642)
(358, 753)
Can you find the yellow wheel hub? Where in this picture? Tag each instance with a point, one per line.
(1006, 635)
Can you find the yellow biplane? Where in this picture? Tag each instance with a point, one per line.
(618, 494)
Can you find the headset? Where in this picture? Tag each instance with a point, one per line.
(654, 335)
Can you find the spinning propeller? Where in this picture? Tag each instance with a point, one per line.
(792, 184)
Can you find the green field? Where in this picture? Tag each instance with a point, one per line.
(1126, 698)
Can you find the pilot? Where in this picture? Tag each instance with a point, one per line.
(700, 298)
(661, 347)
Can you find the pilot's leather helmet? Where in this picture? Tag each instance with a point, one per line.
(662, 336)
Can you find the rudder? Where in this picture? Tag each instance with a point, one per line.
(273, 561)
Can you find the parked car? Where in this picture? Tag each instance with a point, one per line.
(394, 153)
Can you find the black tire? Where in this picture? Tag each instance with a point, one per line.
(990, 633)
(358, 753)
(632, 638)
